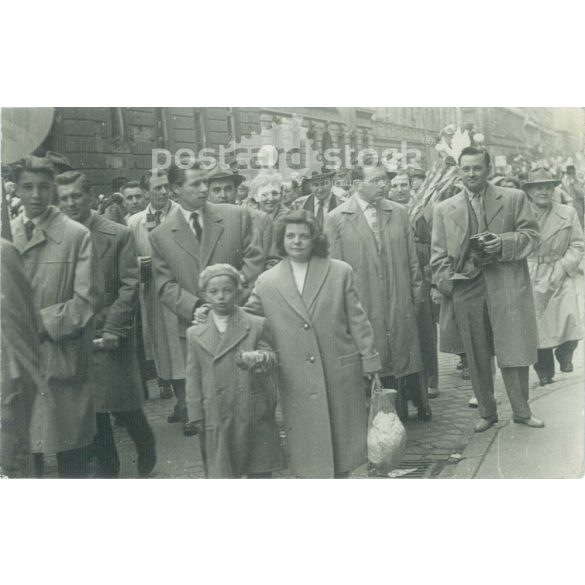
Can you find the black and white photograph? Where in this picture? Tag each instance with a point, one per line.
(236, 292)
(280, 241)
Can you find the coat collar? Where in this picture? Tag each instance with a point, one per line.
(212, 230)
(558, 218)
(216, 345)
(50, 227)
(285, 285)
(182, 233)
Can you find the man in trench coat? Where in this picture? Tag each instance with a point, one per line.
(195, 235)
(489, 283)
(159, 324)
(374, 236)
(60, 262)
(114, 371)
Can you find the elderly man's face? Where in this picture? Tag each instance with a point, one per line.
(34, 190)
(74, 202)
(159, 191)
(541, 195)
(134, 199)
(400, 189)
(222, 191)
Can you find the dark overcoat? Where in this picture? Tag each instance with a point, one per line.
(115, 375)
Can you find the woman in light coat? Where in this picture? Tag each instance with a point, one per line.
(556, 281)
(325, 347)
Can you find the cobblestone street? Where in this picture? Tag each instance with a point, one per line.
(430, 444)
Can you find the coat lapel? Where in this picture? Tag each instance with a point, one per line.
(284, 283)
(236, 331)
(493, 205)
(212, 230)
(556, 221)
(359, 224)
(96, 224)
(316, 274)
(183, 234)
(208, 336)
(384, 215)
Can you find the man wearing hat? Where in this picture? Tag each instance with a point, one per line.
(481, 238)
(554, 272)
(223, 185)
(197, 234)
(570, 191)
(321, 200)
(417, 177)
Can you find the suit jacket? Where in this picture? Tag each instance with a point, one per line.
(509, 292)
(61, 263)
(388, 280)
(325, 344)
(115, 374)
(178, 258)
(308, 202)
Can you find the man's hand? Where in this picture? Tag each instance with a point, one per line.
(494, 245)
(374, 379)
(111, 341)
(201, 313)
(436, 296)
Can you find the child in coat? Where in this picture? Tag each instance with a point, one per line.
(229, 395)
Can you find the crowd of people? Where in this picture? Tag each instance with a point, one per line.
(241, 298)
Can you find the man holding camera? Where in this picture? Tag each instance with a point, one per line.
(481, 239)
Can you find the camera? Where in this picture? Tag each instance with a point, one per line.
(477, 245)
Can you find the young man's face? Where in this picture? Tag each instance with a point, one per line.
(73, 201)
(474, 172)
(192, 194)
(134, 200)
(158, 192)
(34, 189)
(400, 189)
(221, 293)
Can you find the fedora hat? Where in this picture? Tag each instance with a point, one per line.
(324, 173)
(223, 171)
(540, 176)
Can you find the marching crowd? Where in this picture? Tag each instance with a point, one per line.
(248, 296)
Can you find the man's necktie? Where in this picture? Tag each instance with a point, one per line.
(477, 204)
(157, 215)
(373, 214)
(29, 228)
(320, 213)
(196, 225)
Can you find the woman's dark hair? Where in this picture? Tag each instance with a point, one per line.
(301, 216)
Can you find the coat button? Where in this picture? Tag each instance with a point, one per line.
(306, 326)
(312, 359)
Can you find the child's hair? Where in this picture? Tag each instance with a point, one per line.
(219, 270)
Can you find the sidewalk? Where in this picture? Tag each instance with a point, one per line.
(513, 451)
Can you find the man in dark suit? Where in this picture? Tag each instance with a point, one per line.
(223, 185)
(115, 375)
(480, 241)
(195, 235)
(321, 200)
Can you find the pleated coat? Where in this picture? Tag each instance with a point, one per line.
(325, 345)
